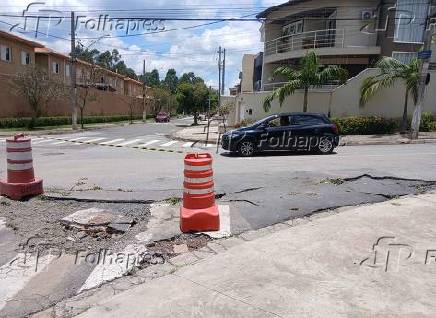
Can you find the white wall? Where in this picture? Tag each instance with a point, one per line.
(343, 101)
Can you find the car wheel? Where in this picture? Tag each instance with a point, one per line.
(246, 149)
(325, 146)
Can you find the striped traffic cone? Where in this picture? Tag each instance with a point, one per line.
(21, 182)
(199, 212)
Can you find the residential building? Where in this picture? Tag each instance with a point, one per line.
(16, 53)
(112, 89)
(353, 34)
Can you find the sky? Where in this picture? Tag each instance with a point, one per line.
(184, 45)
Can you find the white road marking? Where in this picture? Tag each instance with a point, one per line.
(2, 224)
(130, 142)
(169, 143)
(188, 145)
(148, 143)
(2, 140)
(210, 145)
(224, 231)
(15, 274)
(93, 140)
(78, 139)
(42, 141)
(111, 141)
(114, 266)
(58, 143)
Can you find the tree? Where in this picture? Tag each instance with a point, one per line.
(87, 55)
(151, 78)
(391, 71)
(171, 80)
(121, 68)
(162, 98)
(86, 91)
(192, 97)
(132, 103)
(309, 73)
(38, 89)
(190, 78)
(110, 60)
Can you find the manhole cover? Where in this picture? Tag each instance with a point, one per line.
(53, 154)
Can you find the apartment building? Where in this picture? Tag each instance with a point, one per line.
(17, 53)
(353, 34)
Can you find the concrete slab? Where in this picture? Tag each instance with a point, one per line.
(323, 268)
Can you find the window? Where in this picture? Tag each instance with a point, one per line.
(404, 57)
(282, 121)
(25, 58)
(293, 28)
(55, 66)
(5, 53)
(67, 70)
(410, 16)
(307, 120)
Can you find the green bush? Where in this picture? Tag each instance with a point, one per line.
(366, 125)
(428, 122)
(61, 121)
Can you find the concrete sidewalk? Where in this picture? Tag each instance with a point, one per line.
(198, 134)
(369, 261)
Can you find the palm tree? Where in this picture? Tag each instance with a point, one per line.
(392, 70)
(309, 73)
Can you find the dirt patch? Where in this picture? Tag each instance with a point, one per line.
(37, 223)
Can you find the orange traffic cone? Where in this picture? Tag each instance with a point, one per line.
(199, 212)
(21, 180)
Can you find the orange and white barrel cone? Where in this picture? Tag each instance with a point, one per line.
(21, 182)
(199, 212)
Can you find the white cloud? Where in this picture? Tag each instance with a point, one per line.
(184, 50)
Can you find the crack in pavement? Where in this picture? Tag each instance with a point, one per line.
(241, 200)
(387, 178)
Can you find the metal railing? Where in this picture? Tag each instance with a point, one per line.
(307, 40)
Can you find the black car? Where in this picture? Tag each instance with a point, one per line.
(284, 132)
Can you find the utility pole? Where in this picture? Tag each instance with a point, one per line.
(73, 73)
(144, 95)
(427, 37)
(223, 82)
(208, 109)
(219, 76)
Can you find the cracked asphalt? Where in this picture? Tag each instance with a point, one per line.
(261, 191)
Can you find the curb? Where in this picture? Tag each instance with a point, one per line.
(385, 143)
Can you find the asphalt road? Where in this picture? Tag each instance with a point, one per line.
(260, 191)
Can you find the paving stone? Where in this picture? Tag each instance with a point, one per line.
(204, 252)
(155, 271)
(231, 242)
(183, 259)
(253, 235)
(216, 247)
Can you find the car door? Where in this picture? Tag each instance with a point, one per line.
(276, 134)
(306, 131)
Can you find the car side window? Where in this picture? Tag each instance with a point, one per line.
(274, 122)
(282, 121)
(307, 120)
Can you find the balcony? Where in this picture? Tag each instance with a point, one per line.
(327, 42)
(308, 40)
